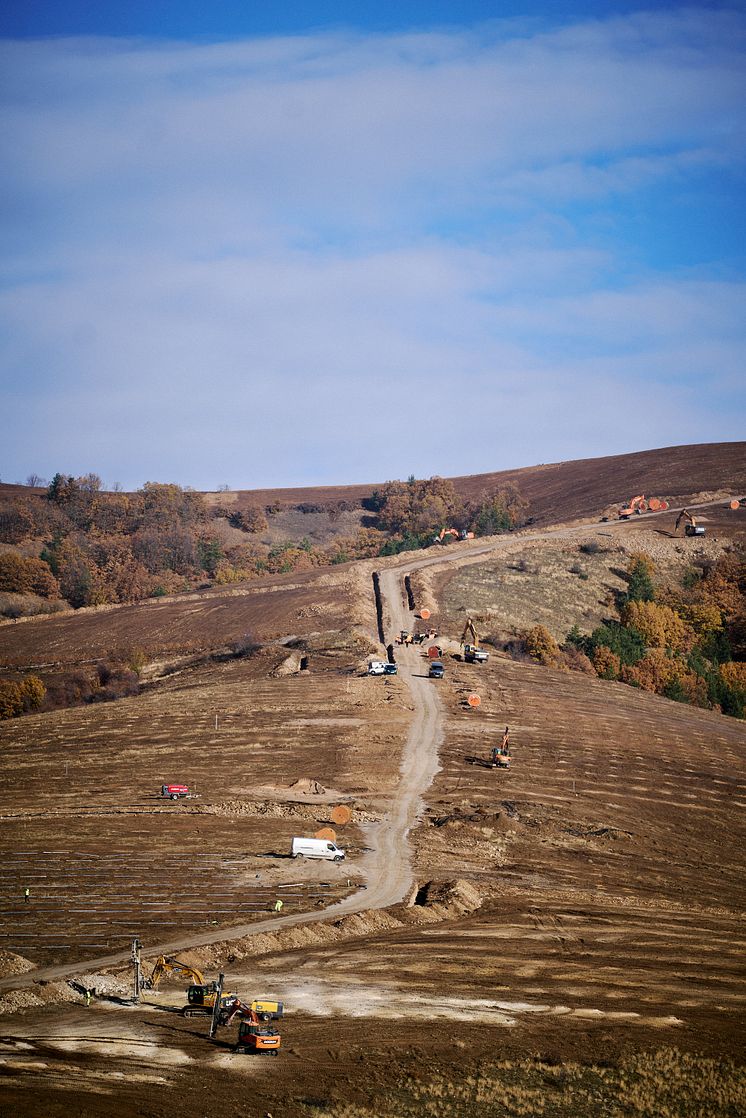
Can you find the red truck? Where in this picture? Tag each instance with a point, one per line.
(174, 791)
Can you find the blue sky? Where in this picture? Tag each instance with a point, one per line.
(317, 246)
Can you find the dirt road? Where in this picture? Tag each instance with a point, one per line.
(387, 867)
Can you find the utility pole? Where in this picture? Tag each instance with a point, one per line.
(135, 956)
(218, 1005)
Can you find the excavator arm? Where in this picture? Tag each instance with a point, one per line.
(236, 1008)
(166, 964)
(469, 630)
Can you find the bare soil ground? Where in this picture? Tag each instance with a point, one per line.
(573, 919)
(285, 605)
(240, 738)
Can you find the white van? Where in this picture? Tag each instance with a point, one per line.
(316, 848)
(377, 667)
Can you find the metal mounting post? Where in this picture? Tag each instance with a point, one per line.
(137, 979)
(218, 1005)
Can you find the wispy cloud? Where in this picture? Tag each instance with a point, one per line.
(344, 257)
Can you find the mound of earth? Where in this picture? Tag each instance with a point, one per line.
(10, 963)
(305, 786)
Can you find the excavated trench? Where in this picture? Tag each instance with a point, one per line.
(379, 606)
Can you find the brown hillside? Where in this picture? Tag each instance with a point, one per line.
(561, 491)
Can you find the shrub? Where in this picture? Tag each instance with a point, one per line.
(577, 661)
(27, 576)
(20, 696)
(639, 578)
(249, 519)
(541, 645)
(606, 663)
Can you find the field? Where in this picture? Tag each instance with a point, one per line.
(561, 938)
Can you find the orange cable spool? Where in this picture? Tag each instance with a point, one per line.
(474, 700)
(341, 815)
(734, 504)
(433, 652)
(326, 833)
(654, 504)
(424, 614)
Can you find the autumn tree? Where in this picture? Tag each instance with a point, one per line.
(20, 696)
(659, 626)
(27, 576)
(541, 645)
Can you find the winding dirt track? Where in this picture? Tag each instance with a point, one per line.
(388, 866)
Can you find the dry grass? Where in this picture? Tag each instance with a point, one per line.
(662, 1084)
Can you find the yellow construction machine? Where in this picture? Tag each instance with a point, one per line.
(473, 654)
(691, 528)
(200, 995)
(166, 964)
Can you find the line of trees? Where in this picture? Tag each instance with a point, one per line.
(96, 547)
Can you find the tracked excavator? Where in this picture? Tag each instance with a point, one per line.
(473, 654)
(254, 1034)
(691, 528)
(167, 964)
(200, 995)
(642, 504)
(455, 533)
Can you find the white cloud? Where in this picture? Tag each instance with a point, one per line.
(310, 252)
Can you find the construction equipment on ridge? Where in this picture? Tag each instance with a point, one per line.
(640, 504)
(473, 654)
(691, 528)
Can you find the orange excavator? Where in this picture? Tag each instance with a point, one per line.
(642, 504)
(254, 1035)
(458, 534)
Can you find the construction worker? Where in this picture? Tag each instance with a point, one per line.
(87, 997)
(278, 905)
(26, 894)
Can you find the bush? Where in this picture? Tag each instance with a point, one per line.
(541, 645)
(27, 576)
(246, 645)
(249, 519)
(627, 644)
(639, 578)
(577, 661)
(606, 663)
(20, 696)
